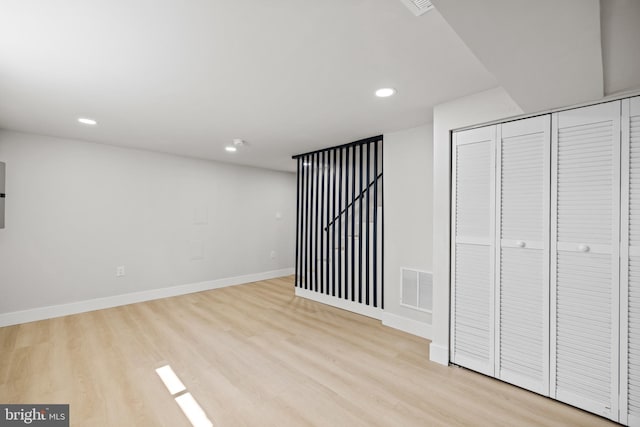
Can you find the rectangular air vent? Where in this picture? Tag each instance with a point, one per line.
(417, 289)
(418, 7)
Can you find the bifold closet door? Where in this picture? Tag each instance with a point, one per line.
(473, 222)
(585, 257)
(522, 267)
(630, 268)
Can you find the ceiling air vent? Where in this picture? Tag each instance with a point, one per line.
(418, 7)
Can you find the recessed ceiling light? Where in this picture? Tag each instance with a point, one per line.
(306, 164)
(87, 121)
(385, 92)
(231, 148)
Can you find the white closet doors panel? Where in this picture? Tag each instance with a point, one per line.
(585, 257)
(630, 268)
(522, 288)
(472, 332)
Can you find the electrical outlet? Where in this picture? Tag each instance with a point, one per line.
(120, 271)
(273, 254)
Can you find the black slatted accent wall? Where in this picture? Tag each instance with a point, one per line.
(339, 222)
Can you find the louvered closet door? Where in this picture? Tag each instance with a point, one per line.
(630, 268)
(585, 236)
(472, 333)
(522, 288)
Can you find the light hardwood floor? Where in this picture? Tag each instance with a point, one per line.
(254, 355)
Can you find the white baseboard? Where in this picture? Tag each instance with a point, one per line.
(409, 326)
(439, 354)
(40, 313)
(394, 321)
(355, 307)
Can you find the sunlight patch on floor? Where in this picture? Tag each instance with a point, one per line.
(191, 408)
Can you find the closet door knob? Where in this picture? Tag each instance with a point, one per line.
(583, 248)
(521, 243)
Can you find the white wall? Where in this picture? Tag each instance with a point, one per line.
(408, 177)
(485, 106)
(76, 210)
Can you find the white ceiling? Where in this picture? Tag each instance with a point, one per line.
(549, 53)
(546, 53)
(291, 76)
(187, 77)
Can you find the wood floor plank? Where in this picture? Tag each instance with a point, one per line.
(254, 355)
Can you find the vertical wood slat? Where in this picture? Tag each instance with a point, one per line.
(326, 228)
(381, 229)
(347, 169)
(306, 224)
(375, 225)
(368, 225)
(320, 258)
(307, 240)
(298, 234)
(309, 279)
(336, 233)
(315, 225)
(353, 227)
(327, 173)
(342, 195)
(334, 258)
(360, 187)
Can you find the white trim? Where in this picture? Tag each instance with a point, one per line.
(453, 192)
(553, 258)
(439, 354)
(616, 117)
(407, 325)
(546, 296)
(497, 253)
(412, 307)
(625, 253)
(609, 98)
(492, 256)
(49, 312)
(354, 307)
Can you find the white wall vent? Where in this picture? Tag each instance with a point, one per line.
(416, 289)
(418, 7)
